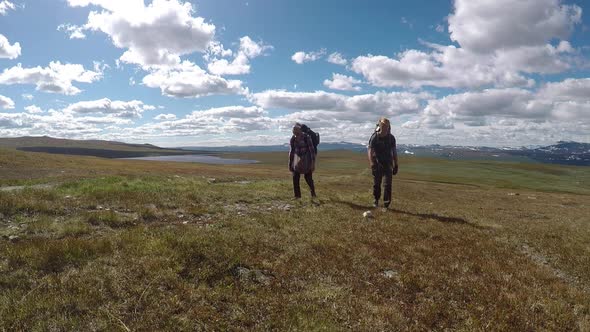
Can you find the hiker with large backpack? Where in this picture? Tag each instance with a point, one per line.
(302, 155)
(382, 154)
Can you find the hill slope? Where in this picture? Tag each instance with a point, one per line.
(97, 148)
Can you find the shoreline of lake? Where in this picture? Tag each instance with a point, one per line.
(194, 158)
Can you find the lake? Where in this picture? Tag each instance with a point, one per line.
(192, 158)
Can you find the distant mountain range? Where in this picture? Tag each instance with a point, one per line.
(565, 153)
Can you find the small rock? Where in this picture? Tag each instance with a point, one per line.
(532, 197)
(68, 197)
(367, 215)
(13, 237)
(389, 274)
(211, 180)
(185, 222)
(258, 276)
(512, 194)
(99, 207)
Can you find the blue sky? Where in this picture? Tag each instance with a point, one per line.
(176, 73)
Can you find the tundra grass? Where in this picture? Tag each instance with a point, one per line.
(162, 246)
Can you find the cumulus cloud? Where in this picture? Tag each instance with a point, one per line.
(5, 6)
(8, 51)
(190, 81)
(337, 106)
(337, 59)
(564, 103)
(302, 57)
(116, 108)
(153, 35)
(33, 109)
(53, 123)
(443, 66)
(56, 78)
(248, 50)
(500, 42)
(165, 117)
(500, 24)
(214, 121)
(75, 31)
(6, 103)
(342, 82)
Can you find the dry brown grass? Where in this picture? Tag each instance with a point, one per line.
(119, 245)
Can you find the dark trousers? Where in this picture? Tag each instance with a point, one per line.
(380, 171)
(297, 188)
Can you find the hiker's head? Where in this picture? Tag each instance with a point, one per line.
(383, 127)
(297, 129)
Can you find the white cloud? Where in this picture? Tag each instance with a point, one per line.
(543, 59)
(27, 96)
(116, 108)
(500, 41)
(444, 66)
(342, 82)
(165, 117)
(8, 51)
(5, 6)
(337, 106)
(302, 57)
(190, 81)
(33, 109)
(56, 78)
(405, 21)
(565, 103)
(440, 28)
(249, 49)
(154, 35)
(6, 103)
(216, 49)
(337, 59)
(500, 24)
(574, 90)
(75, 32)
(215, 121)
(53, 123)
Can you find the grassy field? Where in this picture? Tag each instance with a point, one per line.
(97, 244)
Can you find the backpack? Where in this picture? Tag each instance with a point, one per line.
(315, 137)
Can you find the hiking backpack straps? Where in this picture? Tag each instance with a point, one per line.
(315, 137)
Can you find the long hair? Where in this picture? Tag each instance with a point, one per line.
(383, 122)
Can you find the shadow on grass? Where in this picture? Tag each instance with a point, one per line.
(439, 218)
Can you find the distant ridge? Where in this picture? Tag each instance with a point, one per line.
(564, 152)
(96, 148)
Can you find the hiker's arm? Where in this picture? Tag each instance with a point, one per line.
(370, 156)
(371, 152)
(291, 156)
(394, 154)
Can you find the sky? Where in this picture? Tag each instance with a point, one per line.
(234, 72)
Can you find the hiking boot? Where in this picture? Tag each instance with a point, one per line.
(375, 203)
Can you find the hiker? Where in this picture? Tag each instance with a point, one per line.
(301, 160)
(382, 156)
